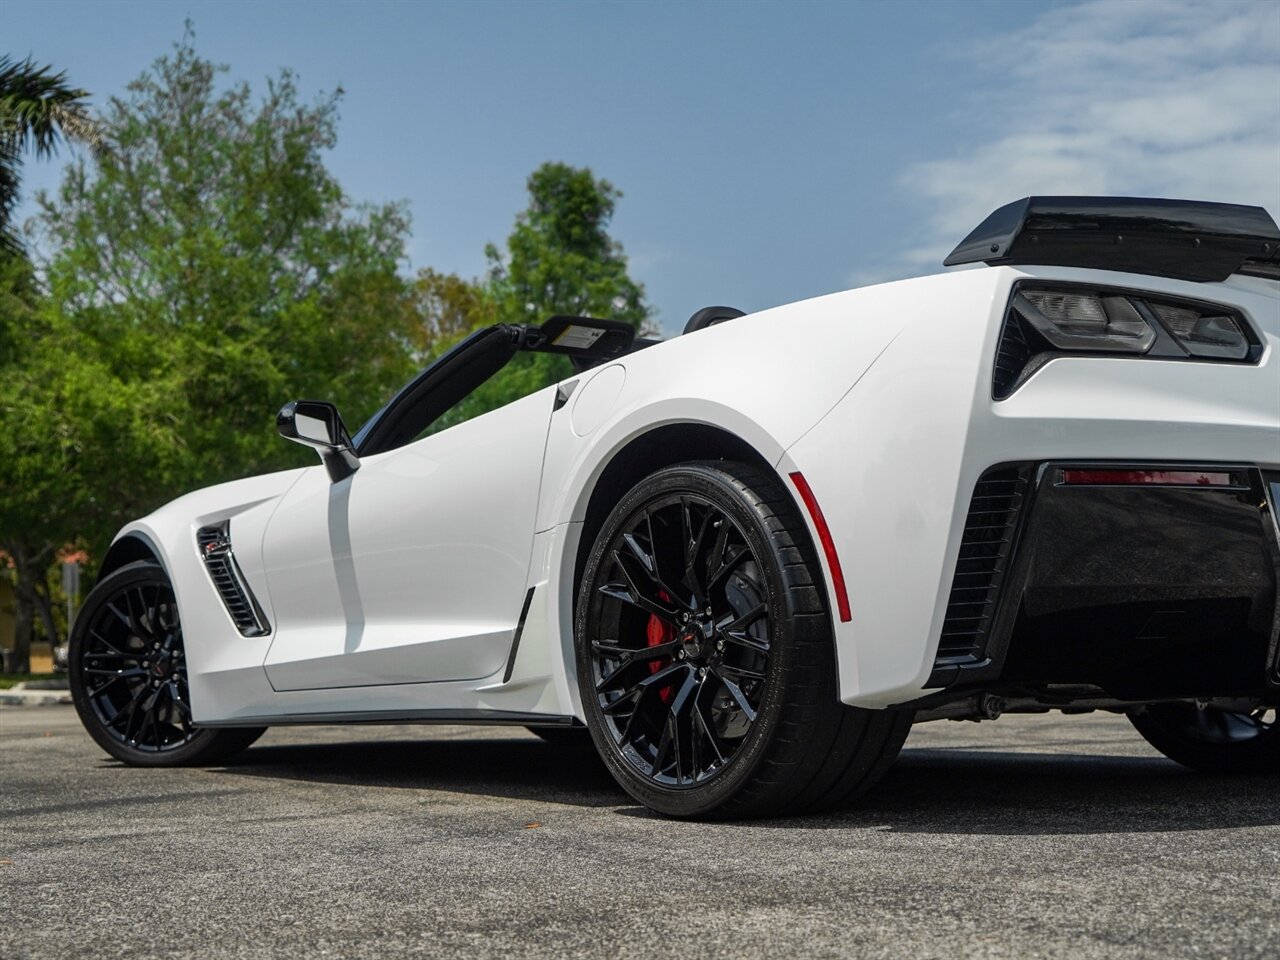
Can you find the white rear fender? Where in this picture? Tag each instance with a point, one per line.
(837, 340)
(884, 467)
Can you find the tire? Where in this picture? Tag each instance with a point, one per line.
(128, 675)
(705, 655)
(1212, 740)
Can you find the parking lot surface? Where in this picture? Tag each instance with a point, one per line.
(1034, 836)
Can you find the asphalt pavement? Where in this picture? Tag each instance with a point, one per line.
(1027, 837)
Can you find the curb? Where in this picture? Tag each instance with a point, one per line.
(20, 696)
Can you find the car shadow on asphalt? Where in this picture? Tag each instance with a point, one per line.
(517, 769)
(1007, 793)
(928, 790)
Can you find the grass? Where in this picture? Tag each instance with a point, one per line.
(7, 680)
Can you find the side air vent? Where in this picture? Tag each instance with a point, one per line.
(214, 543)
(1012, 356)
(985, 548)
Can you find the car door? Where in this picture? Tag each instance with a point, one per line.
(413, 568)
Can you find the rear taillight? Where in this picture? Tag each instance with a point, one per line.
(1044, 321)
(1086, 321)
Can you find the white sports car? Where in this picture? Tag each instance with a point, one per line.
(745, 560)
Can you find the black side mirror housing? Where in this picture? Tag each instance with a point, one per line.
(316, 424)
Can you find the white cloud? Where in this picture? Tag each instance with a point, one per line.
(1137, 98)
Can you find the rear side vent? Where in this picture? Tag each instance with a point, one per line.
(1012, 356)
(214, 543)
(985, 550)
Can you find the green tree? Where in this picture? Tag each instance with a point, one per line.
(207, 267)
(65, 420)
(446, 308)
(560, 258)
(37, 110)
(210, 248)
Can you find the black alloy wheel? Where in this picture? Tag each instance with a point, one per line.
(128, 674)
(705, 653)
(680, 674)
(1213, 740)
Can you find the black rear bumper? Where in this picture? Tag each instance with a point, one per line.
(1145, 591)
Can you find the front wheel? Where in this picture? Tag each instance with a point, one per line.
(705, 654)
(128, 675)
(1212, 740)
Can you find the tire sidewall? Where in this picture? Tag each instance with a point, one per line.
(709, 481)
(1161, 727)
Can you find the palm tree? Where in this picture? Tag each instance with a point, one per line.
(37, 110)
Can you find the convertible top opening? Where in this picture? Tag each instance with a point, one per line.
(586, 341)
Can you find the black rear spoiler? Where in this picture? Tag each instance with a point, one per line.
(1183, 239)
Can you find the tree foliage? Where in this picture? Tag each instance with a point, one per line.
(206, 268)
(446, 308)
(210, 249)
(560, 258)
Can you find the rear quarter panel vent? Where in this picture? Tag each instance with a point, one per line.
(985, 551)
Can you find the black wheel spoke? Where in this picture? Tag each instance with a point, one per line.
(742, 621)
(727, 566)
(155, 723)
(134, 672)
(741, 672)
(133, 712)
(97, 690)
(708, 729)
(693, 547)
(123, 617)
(640, 589)
(636, 658)
(639, 552)
(637, 691)
(612, 650)
(644, 582)
(716, 555)
(176, 699)
(743, 640)
(663, 748)
(739, 698)
(682, 726)
(111, 649)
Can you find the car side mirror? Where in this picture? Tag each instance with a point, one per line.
(318, 425)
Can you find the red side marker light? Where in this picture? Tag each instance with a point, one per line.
(828, 545)
(1164, 478)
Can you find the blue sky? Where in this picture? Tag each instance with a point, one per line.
(767, 151)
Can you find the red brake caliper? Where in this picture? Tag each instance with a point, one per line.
(659, 632)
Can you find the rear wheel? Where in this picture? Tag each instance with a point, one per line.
(1212, 740)
(128, 675)
(705, 655)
